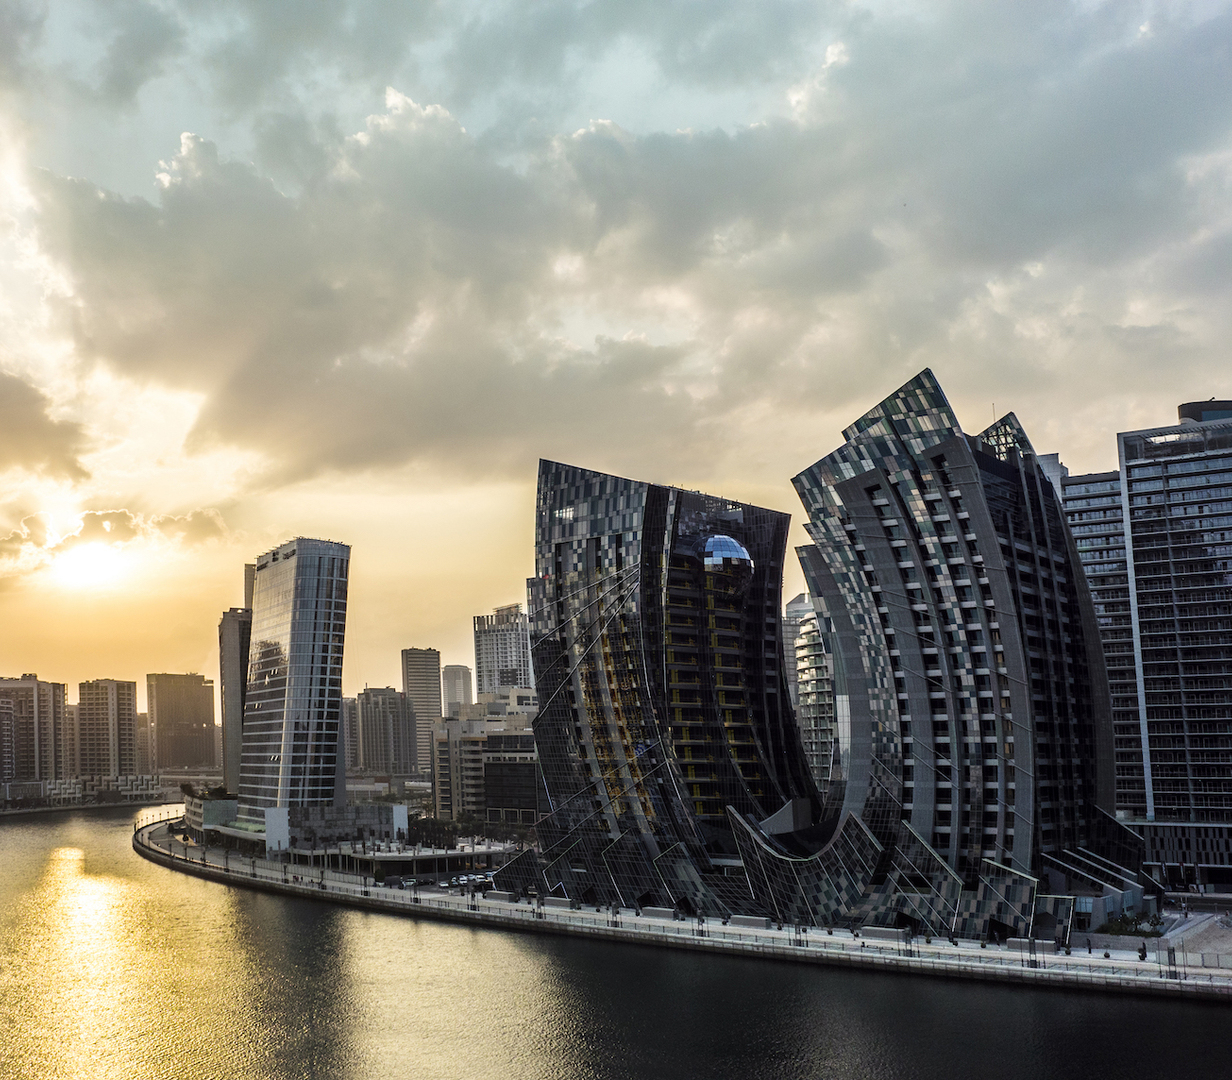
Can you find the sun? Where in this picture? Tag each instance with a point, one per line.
(89, 566)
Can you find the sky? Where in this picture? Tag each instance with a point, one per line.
(348, 270)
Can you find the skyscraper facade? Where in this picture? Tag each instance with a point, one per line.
(421, 682)
(1096, 519)
(181, 710)
(349, 726)
(798, 609)
(502, 649)
(662, 691)
(44, 742)
(291, 755)
(386, 732)
(145, 762)
(815, 697)
(234, 637)
(1161, 537)
(457, 682)
(973, 727)
(107, 728)
(8, 760)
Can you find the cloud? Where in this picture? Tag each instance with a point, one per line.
(35, 543)
(30, 439)
(21, 23)
(33, 532)
(104, 526)
(192, 528)
(1025, 199)
(144, 38)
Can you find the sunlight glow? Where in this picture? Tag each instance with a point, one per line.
(90, 566)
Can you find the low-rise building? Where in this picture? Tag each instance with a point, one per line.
(485, 764)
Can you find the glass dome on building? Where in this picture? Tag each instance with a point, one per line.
(724, 551)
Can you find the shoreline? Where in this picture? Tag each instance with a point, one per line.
(131, 806)
(841, 949)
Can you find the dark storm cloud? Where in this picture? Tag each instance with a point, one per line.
(30, 439)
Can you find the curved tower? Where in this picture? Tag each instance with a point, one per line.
(973, 751)
(663, 701)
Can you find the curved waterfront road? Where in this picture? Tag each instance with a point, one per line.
(1123, 973)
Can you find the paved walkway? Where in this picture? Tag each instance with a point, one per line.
(1121, 972)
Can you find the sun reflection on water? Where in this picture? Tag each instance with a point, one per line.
(94, 986)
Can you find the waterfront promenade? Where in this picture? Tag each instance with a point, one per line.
(1122, 972)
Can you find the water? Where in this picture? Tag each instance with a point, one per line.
(112, 967)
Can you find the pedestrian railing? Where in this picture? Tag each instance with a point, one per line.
(965, 958)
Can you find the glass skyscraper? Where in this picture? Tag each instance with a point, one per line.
(1156, 544)
(290, 753)
(663, 704)
(1096, 519)
(971, 787)
(967, 785)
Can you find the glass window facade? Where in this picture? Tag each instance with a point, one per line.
(502, 650)
(972, 728)
(1093, 509)
(655, 630)
(290, 746)
(1177, 503)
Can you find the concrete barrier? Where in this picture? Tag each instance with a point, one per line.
(492, 894)
(557, 901)
(750, 920)
(659, 912)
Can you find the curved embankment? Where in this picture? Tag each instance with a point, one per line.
(841, 949)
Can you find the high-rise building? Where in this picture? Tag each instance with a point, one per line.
(234, 637)
(44, 742)
(349, 725)
(291, 755)
(145, 763)
(972, 786)
(181, 710)
(8, 760)
(1157, 545)
(815, 698)
(662, 691)
(107, 728)
(457, 681)
(421, 682)
(502, 650)
(387, 737)
(70, 724)
(798, 609)
(1093, 509)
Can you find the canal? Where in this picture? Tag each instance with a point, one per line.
(113, 967)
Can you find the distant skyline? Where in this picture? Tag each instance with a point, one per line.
(350, 273)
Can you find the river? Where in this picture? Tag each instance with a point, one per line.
(112, 967)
